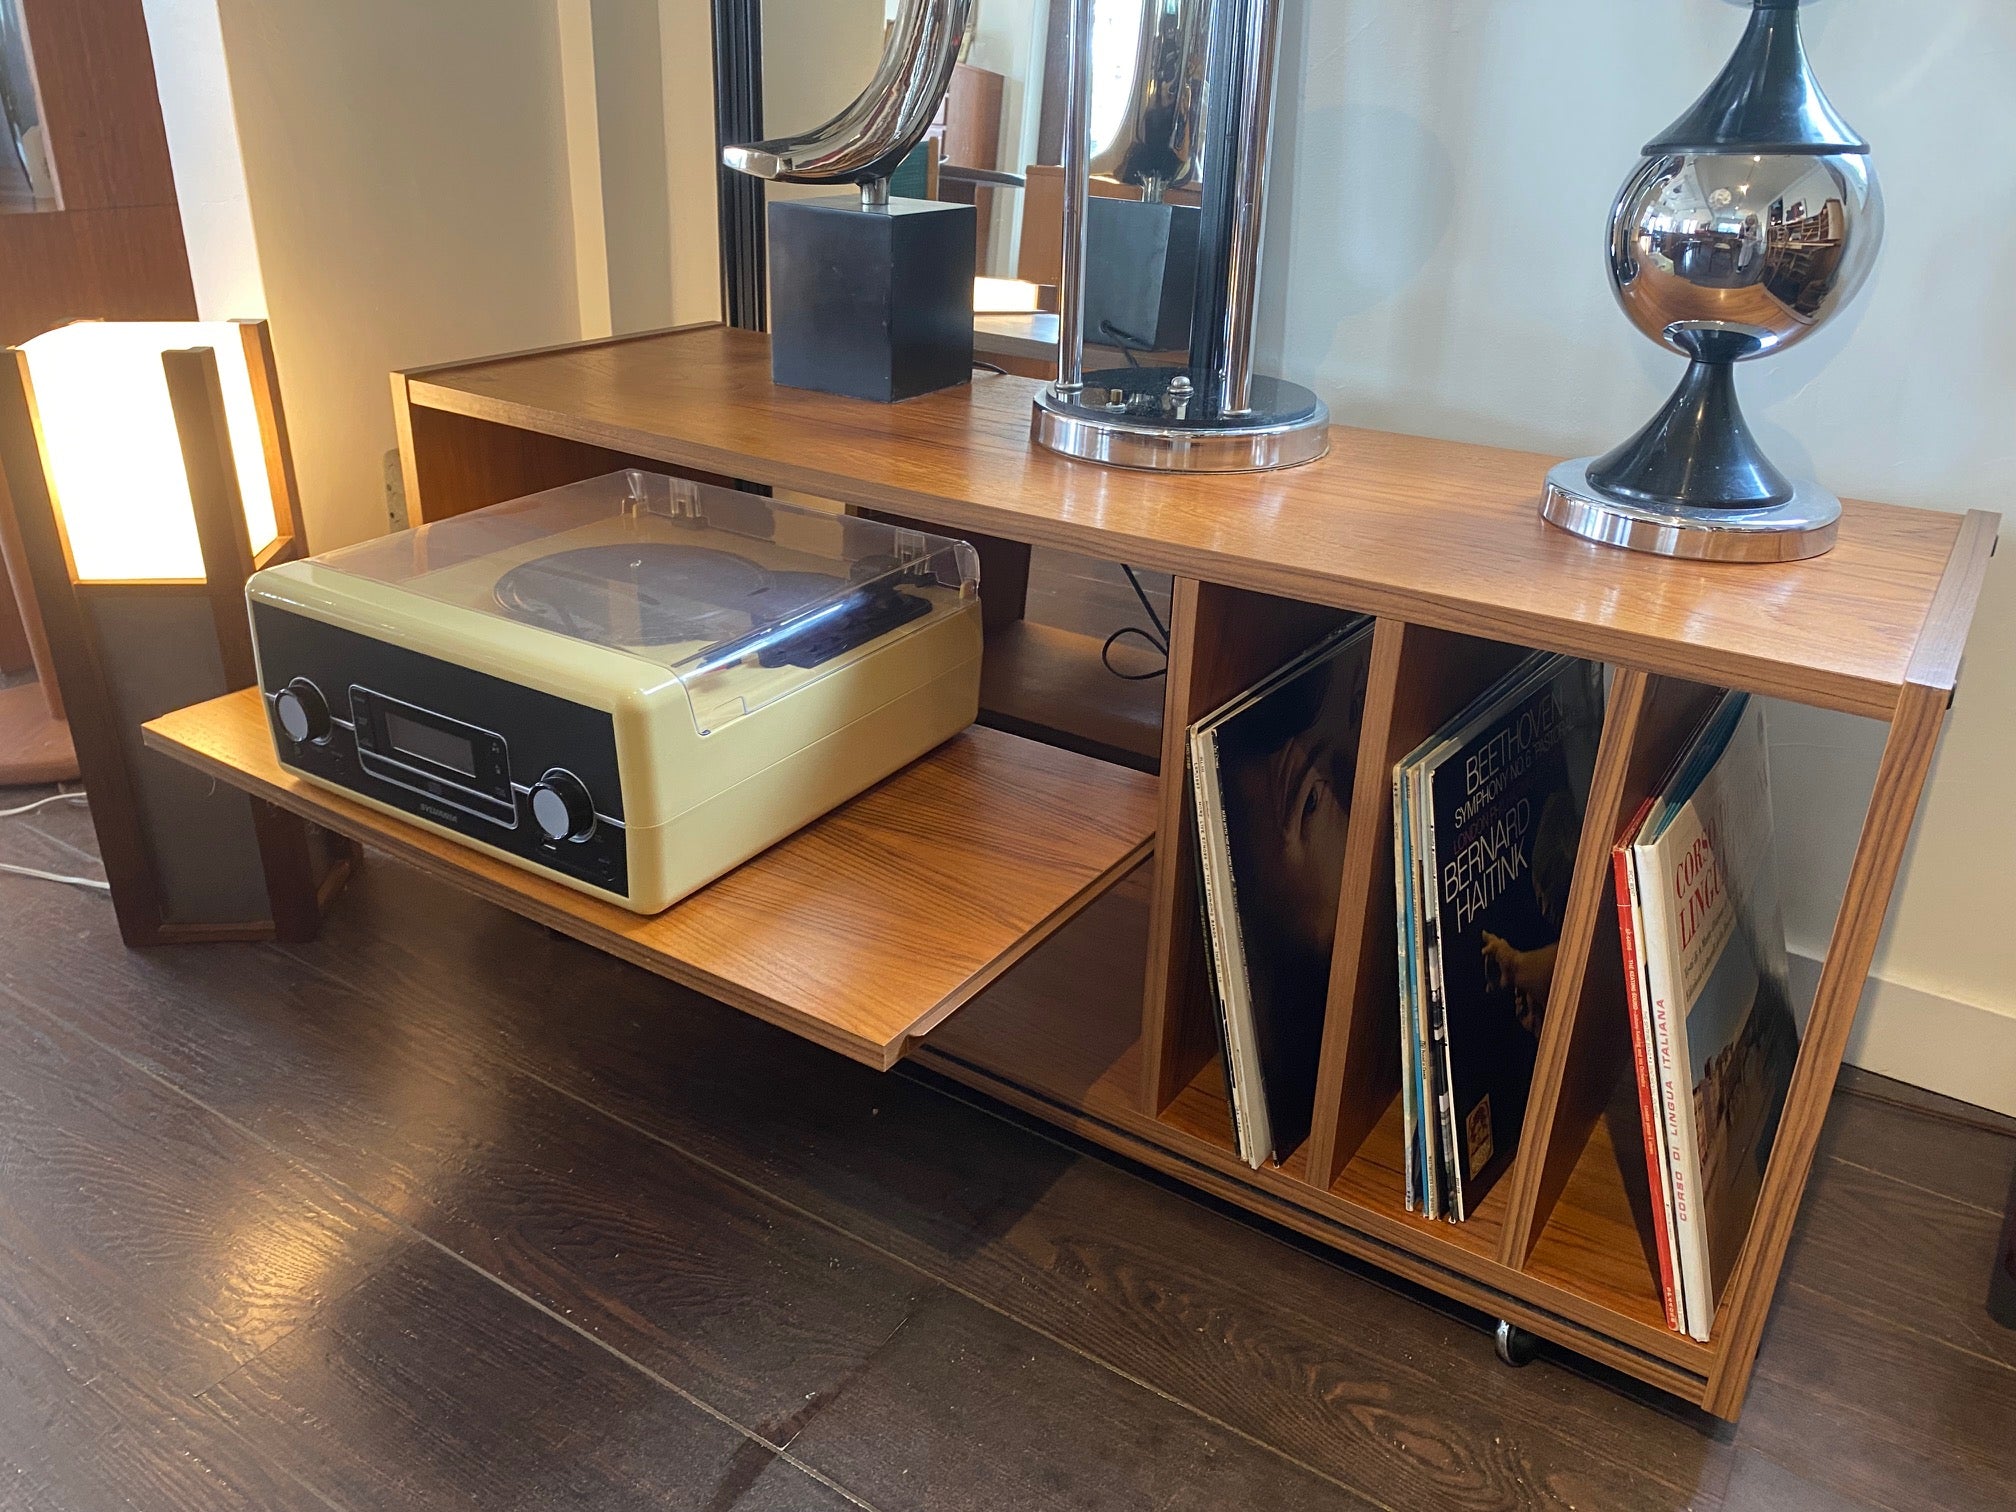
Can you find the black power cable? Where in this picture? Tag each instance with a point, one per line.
(1158, 637)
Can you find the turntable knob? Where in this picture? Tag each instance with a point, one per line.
(561, 806)
(303, 711)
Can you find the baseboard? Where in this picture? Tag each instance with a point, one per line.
(1939, 1043)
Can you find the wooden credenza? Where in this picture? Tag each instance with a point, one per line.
(1067, 975)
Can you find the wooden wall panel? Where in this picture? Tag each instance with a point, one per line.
(124, 264)
(95, 70)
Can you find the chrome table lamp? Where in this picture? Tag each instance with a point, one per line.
(1752, 221)
(1214, 414)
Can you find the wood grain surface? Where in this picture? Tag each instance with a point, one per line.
(1057, 1037)
(1222, 640)
(858, 932)
(1434, 532)
(35, 746)
(1900, 782)
(1051, 685)
(1441, 540)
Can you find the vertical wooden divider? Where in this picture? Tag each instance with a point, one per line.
(1746, 1297)
(1886, 831)
(1168, 1052)
(1419, 677)
(1585, 1043)
(196, 394)
(1221, 640)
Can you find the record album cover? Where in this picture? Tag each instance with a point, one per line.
(1505, 803)
(1273, 773)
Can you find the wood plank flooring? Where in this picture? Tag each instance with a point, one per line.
(443, 1210)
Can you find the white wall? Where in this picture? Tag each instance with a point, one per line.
(1434, 265)
(196, 109)
(407, 176)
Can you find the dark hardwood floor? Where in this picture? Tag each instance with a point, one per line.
(443, 1210)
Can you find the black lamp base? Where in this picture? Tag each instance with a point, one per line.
(1696, 453)
(1694, 482)
(872, 303)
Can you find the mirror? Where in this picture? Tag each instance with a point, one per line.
(27, 181)
(997, 145)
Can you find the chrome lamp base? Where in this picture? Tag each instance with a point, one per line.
(1803, 526)
(1146, 418)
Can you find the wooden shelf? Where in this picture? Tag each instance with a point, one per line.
(1600, 1231)
(1375, 1180)
(1108, 1030)
(1432, 532)
(860, 932)
(1052, 685)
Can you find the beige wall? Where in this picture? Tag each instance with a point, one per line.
(817, 56)
(196, 109)
(638, 89)
(398, 183)
(407, 177)
(1434, 265)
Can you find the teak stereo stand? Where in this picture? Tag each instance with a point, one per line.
(889, 928)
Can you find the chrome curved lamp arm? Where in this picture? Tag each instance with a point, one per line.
(864, 143)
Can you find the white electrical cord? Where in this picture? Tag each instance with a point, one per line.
(42, 803)
(91, 884)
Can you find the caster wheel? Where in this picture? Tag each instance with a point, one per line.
(1515, 1346)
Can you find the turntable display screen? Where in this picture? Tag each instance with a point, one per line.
(412, 738)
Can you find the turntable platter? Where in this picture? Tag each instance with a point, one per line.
(655, 594)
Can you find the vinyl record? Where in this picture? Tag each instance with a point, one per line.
(654, 594)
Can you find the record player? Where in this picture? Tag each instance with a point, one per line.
(630, 684)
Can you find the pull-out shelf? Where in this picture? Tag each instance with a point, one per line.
(860, 932)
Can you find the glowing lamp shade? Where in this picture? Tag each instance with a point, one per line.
(113, 453)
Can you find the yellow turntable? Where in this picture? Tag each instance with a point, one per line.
(631, 684)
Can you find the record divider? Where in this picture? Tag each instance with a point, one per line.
(1420, 677)
(1223, 640)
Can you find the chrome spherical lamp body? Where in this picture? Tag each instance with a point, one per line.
(1749, 223)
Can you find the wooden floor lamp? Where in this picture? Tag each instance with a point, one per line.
(150, 475)
(35, 741)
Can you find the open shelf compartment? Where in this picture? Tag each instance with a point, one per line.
(859, 932)
(1060, 1037)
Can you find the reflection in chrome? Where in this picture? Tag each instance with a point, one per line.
(1160, 141)
(864, 143)
(1760, 244)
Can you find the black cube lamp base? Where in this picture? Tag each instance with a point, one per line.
(871, 302)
